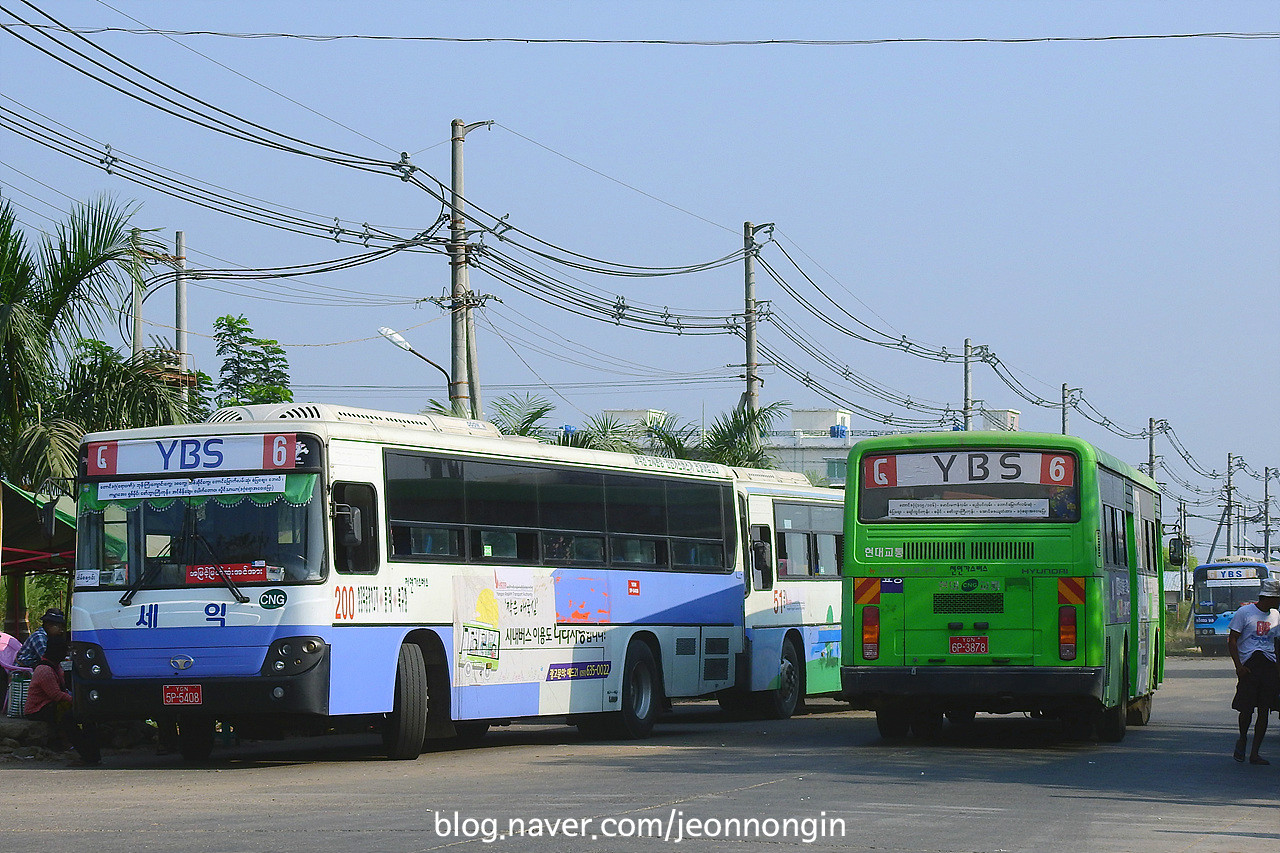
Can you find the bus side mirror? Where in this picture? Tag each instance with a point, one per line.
(346, 525)
(1177, 552)
(1186, 594)
(762, 556)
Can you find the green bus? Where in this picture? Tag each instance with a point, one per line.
(1000, 572)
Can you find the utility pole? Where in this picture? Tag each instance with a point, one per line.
(968, 384)
(1186, 545)
(1266, 513)
(1151, 447)
(464, 389)
(1228, 512)
(180, 308)
(751, 400)
(136, 242)
(1066, 396)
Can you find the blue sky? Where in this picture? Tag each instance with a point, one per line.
(1104, 213)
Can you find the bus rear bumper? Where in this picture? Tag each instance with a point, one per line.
(999, 689)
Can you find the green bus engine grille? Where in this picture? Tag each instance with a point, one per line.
(968, 602)
(968, 550)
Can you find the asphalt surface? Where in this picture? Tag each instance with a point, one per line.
(823, 781)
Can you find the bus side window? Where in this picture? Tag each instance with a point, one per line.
(761, 558)
(793, 554)
(355, 529)
(828, 555)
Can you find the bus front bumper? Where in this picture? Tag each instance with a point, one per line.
(306, 693)
(985, 688)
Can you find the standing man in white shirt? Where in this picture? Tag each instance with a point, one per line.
(1254, 629)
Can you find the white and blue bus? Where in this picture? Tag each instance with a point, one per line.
(1219, 589)
(313, 567)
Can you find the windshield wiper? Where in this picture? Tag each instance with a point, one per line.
(146, 575)
(221, 570)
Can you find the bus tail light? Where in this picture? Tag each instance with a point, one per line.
(1067, 632)
(870, 632)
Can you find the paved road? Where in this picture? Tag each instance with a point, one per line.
(1005, 784)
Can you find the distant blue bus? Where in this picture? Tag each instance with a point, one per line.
(1219, 589)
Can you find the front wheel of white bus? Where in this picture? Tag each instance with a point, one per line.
(405, 728)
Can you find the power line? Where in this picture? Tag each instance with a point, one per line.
(793, 42)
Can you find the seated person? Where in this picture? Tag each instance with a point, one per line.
(48, 701)
(52, 624)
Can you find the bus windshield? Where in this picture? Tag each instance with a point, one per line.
(1225, 588)
(969, 485)
(200, 532)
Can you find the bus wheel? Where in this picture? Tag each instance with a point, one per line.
(927, 724)
(1139, 713)
(641, 694)
(1111, 726)
(781, 702)
(893, 724)
(195, 738)
(962, 716)
(1079, 723)
(405, 728)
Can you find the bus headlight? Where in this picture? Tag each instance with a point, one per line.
(292, 655)
(88, 661)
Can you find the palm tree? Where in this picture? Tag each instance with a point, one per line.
(55, 385)
(734, 438)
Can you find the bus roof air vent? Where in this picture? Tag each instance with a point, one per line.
(350, 414)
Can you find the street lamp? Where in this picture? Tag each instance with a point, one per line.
(398, 339)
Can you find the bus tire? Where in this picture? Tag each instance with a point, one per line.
(926, 724)
(782, 701)
(893, 724)
(405, 728)
(1079, 723)
(641, 694)
(195, 738)
(1113, 722)
(1139, 713)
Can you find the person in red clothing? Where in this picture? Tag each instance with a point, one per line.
(48, 701)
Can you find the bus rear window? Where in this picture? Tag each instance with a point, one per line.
(969, 485)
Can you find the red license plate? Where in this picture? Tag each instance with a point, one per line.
(182, 694)
(969, 646)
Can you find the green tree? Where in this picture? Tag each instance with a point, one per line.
(53, 387)
(734, 438)
(527, 416)
(254, 370)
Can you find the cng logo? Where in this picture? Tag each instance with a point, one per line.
(273, 598)
(969, 585)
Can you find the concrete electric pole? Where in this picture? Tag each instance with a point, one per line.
(464, 388)
(751, 400)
